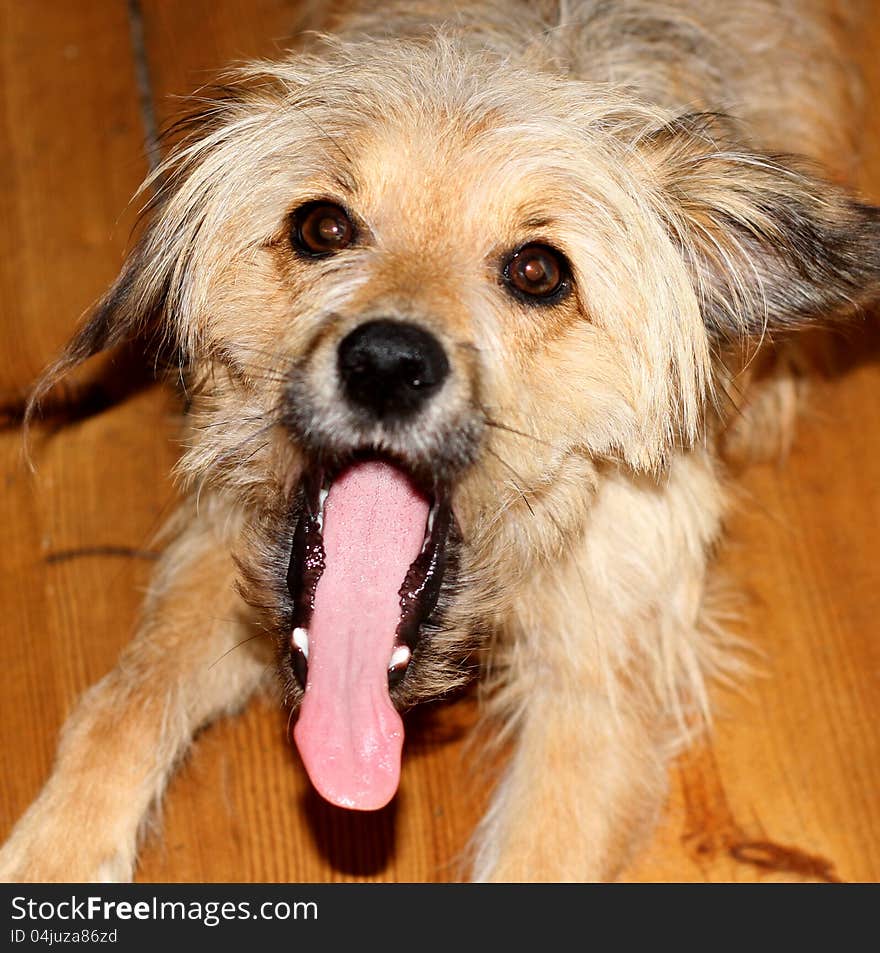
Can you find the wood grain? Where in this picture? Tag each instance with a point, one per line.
(789, 787)
(72, 158)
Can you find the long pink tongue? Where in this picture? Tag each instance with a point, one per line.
(348, 733)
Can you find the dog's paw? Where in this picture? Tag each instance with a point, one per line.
(41, 849)
(44, 863)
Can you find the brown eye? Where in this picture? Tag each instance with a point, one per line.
(321, 228)
(537, 271)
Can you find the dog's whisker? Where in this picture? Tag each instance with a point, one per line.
(227, 422)
(327, 137)
(516, 485)
(489, 422)
(253, 453)
(251, 638)
(231, 453)
(235, 452)
(734, 401)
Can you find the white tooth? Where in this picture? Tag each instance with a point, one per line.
(431, 514)
(301, 640)
(322, 499)
(399, 657)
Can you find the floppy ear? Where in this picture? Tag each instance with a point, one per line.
(770, 246)
(133, 307)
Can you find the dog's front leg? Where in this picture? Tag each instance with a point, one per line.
(121, 743)
(583, 786)
(604, 654)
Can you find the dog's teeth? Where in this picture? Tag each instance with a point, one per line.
(431, 514)
(322, 499)
(301, 640)
(399, 658)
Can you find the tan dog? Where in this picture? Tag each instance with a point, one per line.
(458, 296)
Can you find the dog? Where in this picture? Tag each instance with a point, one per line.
(473, 304)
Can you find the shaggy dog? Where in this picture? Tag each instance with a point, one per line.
(459, 297)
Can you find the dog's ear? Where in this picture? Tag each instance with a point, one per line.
(770, 245)
(133, 308)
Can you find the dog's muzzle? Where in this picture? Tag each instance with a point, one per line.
(391, 387)
(386, 425)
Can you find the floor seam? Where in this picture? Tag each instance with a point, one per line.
(146, 99)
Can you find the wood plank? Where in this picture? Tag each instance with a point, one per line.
(190, 44)
(71, 160)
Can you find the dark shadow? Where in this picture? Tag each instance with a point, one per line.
(357, 843)
(103, 383)
(840, 351)
(836, 350)
(434, 724)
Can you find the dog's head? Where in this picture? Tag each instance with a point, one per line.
(420, 294)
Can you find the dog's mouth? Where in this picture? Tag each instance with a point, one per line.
(367, 563)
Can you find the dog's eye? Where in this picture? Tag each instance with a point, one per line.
(321, 228)
(538, 271)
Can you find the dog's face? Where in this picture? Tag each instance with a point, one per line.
(423, 298)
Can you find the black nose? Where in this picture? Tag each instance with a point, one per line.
(391, 368)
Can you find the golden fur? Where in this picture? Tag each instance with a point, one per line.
(643, 138)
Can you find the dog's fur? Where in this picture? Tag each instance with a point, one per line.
(651, 141)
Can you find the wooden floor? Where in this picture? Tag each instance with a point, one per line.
(790, 787)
